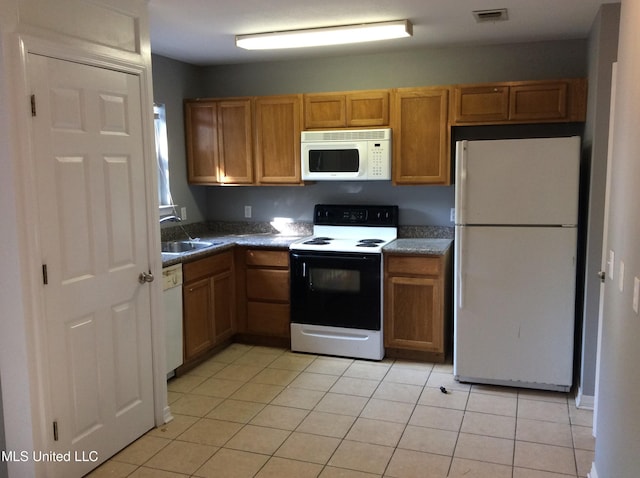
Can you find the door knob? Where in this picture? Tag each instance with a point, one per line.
(145, 277)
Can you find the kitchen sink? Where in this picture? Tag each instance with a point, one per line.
(179, 247)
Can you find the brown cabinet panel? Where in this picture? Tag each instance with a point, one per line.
(325, 111)
(416, 312)
(264, 301)
(219, 141)
(416, 307)
(351, 109)
(198, 333)
(278, 121)
(207, 266)
(538, 102)
(235, 141)
(201, 126)
(542, 101)
(421, 136)
(369, 108)
(268, 319)
(267, 258)
(208, 304)
(223, 306)
(415, 265)
(482, 103)
(268, 284)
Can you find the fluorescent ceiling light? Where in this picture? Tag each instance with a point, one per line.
(326, 36)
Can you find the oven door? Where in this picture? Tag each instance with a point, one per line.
(336, 289)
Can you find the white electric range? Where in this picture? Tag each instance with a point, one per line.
(336, 281)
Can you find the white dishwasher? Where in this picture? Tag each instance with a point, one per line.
(172, 295)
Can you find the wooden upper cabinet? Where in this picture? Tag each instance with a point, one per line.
(481, 103)
(201, 129)
(349, 109)
(219, 141)
(538, 101)
(520, 102)
(421, 136)
(235, 142)
(278, 122)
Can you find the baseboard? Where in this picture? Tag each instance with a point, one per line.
(593, 473)
(585, 401)
(167, 414)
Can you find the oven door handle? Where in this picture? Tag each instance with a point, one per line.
(304, 269)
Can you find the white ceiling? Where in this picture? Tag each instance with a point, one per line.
(203, 32)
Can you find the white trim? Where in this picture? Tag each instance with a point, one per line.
(585, 402)
(21, 46)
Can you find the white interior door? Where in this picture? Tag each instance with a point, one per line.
(87, 139)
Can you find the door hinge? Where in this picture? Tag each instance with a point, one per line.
(33, 105)
(55, 430)
(45, 275)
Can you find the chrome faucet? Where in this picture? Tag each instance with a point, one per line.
(170, 219)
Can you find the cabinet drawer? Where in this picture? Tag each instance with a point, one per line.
(207, 266)
(268, 319)
(418, 265)
(268, 284)
(263, 258)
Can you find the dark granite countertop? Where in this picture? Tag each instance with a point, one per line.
(224, 236)
(430, 246)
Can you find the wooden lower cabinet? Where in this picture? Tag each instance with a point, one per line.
(208, 304)
(416, 311)
(263, 298)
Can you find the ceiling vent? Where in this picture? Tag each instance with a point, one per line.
(495, 15)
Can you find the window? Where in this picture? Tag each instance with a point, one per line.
(162, 157)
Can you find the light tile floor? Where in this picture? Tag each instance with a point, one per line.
(267, 412)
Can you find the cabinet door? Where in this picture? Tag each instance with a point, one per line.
(235, 142)
(278, 124)
(538, 101)
(421, 136)
(481, 104)
(223, 296)
(198, 310)
(414, 316)
(325, 111)
(368, 108)
(201, 130)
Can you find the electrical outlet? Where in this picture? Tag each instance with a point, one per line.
(247, 211)
(636, 293)
(452, 214)
(621, 277)
(183, 213)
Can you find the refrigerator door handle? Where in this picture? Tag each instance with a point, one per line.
(459, 256)
(461, 181)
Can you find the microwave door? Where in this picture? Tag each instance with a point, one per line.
(334, 160)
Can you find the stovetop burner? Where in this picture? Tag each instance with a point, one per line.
(319, 241)
(339, 228)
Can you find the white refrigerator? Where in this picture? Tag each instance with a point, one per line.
(515, 261)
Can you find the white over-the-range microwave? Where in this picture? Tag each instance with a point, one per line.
(346, 155)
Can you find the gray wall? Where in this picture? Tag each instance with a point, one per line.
(420, 205)
(603, 49)
(618, 405)
(172, 82)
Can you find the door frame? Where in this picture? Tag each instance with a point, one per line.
(18, 49)
(604, 260)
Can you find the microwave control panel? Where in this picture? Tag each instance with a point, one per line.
(379, 164)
